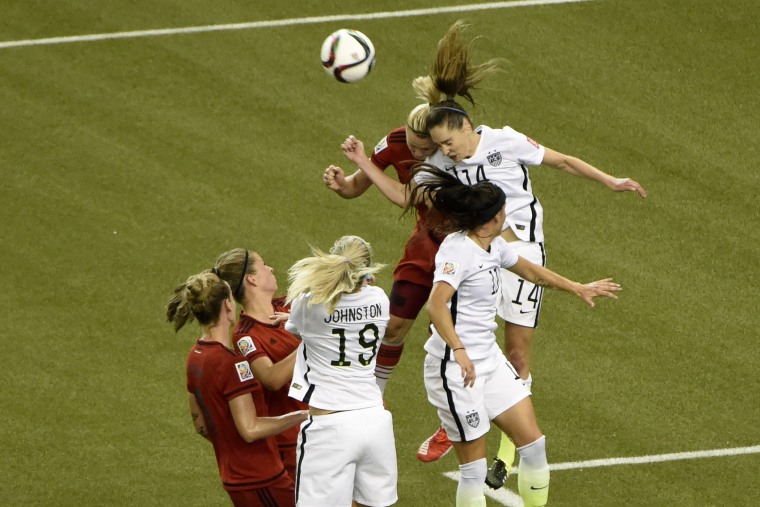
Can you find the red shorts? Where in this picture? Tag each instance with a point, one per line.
(280, 493)
(407, 299)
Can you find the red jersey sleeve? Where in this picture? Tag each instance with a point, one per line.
(245, 346)
(392, 150)
(237, 378)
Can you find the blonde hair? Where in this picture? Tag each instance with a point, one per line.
(451, 74)
(417, 120)
(330, 275)
(200, 297)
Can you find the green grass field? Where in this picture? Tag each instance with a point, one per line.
(129, 164)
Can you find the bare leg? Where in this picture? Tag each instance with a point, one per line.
(397, 330)
(517, 347)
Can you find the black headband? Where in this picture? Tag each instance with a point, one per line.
(418, 132)
(488, 213)
(242, 275)
(460, 111)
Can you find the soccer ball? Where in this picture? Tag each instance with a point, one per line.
(348, 55)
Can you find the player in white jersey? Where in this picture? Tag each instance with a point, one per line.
(501, 156)
(346, 449)
(467, 378)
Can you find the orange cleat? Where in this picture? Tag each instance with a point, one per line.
(435, 447)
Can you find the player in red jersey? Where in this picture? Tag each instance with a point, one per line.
(261, 337)
(226, 401)
(402, 148)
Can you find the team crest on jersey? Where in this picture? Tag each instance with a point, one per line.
(450, 268)
(246, 346)
(494, 158)
(244, 371)
(381, 145)
(473, 419)
(531, 141)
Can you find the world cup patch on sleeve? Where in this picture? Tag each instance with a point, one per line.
(244, 371)
(246, 346)
(450, 268)
(381, 145)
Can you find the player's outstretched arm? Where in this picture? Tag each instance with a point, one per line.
(578, 167)
(251, 427)
(393, 190)
(544, 277)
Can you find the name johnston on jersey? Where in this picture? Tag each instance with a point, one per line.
(355, 313)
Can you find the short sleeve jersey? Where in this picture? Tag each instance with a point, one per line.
(254, 339)
(216, 375)
(340, 349)
(503, 157)
(474, 274)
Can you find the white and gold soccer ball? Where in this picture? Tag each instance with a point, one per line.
(348, 55)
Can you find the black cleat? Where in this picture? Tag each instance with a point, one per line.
(497, 474)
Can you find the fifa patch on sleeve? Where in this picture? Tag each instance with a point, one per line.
(531, 141)
(450, 268)
(244, 371)
(381, 145)
(246, 346)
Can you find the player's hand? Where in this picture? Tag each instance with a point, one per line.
(600, 288)
(627, 185)
(353, 149)
(468, 369)
(334, 178)
(279, 317)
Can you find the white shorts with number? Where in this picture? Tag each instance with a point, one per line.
(347, 456)
(520, 301)
(466, 412)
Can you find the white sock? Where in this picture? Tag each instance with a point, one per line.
(533, 478)
(529, 382)
(471, 478)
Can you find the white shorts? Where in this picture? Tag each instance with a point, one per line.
(520, 301)
(466, 412)
(347, 456)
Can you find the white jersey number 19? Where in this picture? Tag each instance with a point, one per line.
(341, 333)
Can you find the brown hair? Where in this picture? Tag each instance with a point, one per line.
(232, 266)
(451, 74)
(200, 297)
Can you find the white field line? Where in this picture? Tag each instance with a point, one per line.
(510, 499)
(503, 495)
(280, 22)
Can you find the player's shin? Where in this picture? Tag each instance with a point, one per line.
(533, 479)
(470, 488)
